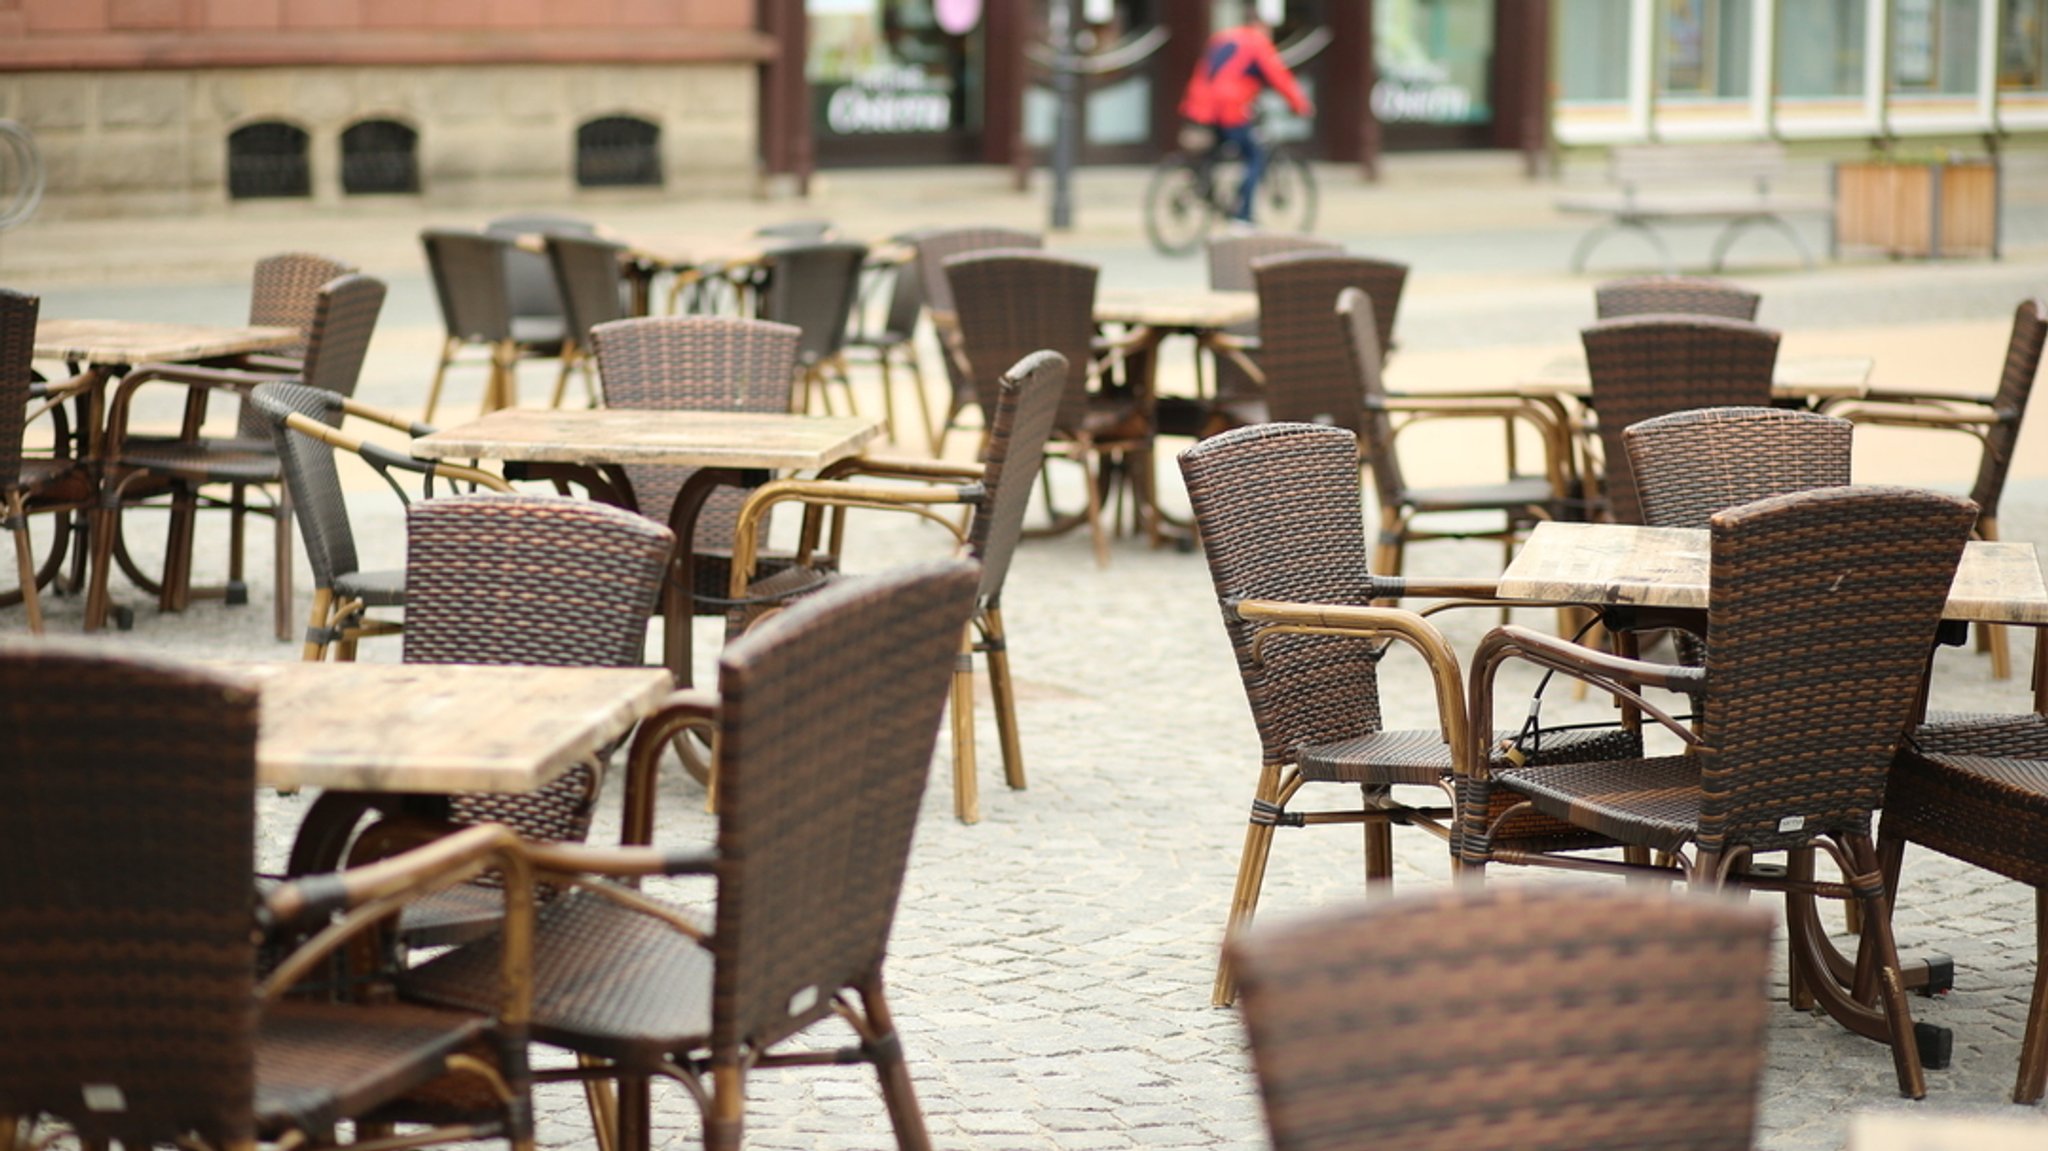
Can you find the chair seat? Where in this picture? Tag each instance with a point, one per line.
(54, 480)
(2019, 735)
(319, 1062)
(375, 589)
(1114, 417)
(1648, 802)
(607, 981)
(212, 461)
(1522, 492)
(1977, 792)
(1421, 756)
(541, 333)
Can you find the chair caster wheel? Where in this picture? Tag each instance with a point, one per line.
(124, 618)
(1941, 976)
(237, 593)
(1937, 1045)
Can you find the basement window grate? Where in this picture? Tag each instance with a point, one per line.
(268, 159)
(618, 151)
(379, 158)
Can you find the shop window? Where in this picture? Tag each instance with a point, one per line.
(618, 151)
(1704, 48)
(2023, 45)
(268, 159)
(1821, 47)
(896, 79)
(379, 157)
(1434, 61)
(1934, 46)
(1593, 50)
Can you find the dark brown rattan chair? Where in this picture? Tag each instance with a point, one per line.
(1278, 508)
(934, 248)
(285, 293)
(1230, 270)
(896, 339)
(813, 287)
(127, 930)
(1976, 789)
(1689, 465)
(38, 484)
(1561, 1018)
(1008, 305)
(826, 716)
(345, 316)
(591, 282)
(998, 491)
(1646, 366)
(1994, 420)
(1359, 402)
(1674, 296)
(1824, 614)
(475, 292)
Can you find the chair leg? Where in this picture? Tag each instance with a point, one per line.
(1379, 844)
(906, 1118)
(1251, 876)
(603, 1104)
(966, 790)
(281, 564)
(2033, 1076)
(636, 1114)
(1003, 691)
(316, 624)
(449, 347)
(24, 559)
(571, 356)
(1091, 464)
(177, 575)
(103, 522)
(724, 1114)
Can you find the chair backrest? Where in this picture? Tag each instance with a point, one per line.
(1824, 615)
(813, 287)
(934, 248)
(1026, 405)
(2015, 384)
(589, 280)
(1301, 347)
(125, 917)
(285, 293)
(694, 363)
(344, 317)
(1676, 296)
(529, 283)
(537, 580)
(310, 476)
(1529, 1035)
(1689, 465)
(906, 299)
(1010, 304)
(1361, 406)
(1230, 262)
(18, 312)
(468, 270)
(828, 714)
(1647, 366)
(1281, 517)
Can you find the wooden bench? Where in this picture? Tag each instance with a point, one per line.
(1655, 183)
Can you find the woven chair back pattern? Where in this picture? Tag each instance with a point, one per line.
(285, 293)
(1301, 345)
(1230, 262)
(529, 282)
(1362, 407)
(311, 477)
(1024, 412)
(1676, 296)
(829, 714)
(1012, 303)
(18, 313)
(1824, 615)
(1647, 366)
(468, 269)
(2015, 384)
(1280, 514)
(813, 287)
(592, 285)
(1558, 1019)
(937, 246)
(127, 997)
(1689, 465)
(343, 321)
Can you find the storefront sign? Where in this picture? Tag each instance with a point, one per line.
(1423, 95)
(890, 100)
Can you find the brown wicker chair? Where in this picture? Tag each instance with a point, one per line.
(1674, 296)
(590, 279)
(1230, 270)
(1645, 366)
(344, 318)
(998, 492)
(1994, 420)
(896, 340)
(473, 287)
(934, 248)
(813, 287)
(1565, 1019)
(127, 930)
(52, 484)
(1688, 465)
(1824, 614)
(1277, 506)
(826, 716)
(285, 293)
(1008, 305)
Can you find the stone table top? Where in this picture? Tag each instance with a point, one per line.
(143, 341)
(1668, 567)
(1189, 308)
(687, 439)
(1816, 377)
(440, 727)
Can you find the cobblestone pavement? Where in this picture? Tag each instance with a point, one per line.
(1051, 965)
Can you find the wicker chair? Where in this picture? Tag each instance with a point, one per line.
(998, 492)
(1646, 366)
(1562, 1018)
(826, 716)
(1360, 402)
(1993, 420)
(1824, 614)
(52, 484)
(285, 293)
(813, 287)
(1674, 296)
(589, 279)
(1689, 465)
(934, 248)
(1230, 270)
(530, 282)
(1011, 304)
(1277, 506)
(514, 580)
(896, 340)
(127, 930)
(475, 292)
(344, 318)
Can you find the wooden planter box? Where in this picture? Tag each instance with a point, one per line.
(1918, 209)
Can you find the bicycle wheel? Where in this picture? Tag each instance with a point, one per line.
(1286, 200)
(1177, 213)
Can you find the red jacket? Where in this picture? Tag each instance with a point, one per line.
(1236, 65)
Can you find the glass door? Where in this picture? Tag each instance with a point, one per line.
(895, 81)
(1435, 63)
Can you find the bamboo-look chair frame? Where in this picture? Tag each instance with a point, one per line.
(897, 338)
(996, 490)
(1674, 295)
(472, 285)
(935, 247)
(1792, 751)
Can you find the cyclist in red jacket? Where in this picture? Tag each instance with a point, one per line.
(1236, 65)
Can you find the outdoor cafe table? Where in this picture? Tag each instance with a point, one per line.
(1798, 378)
(739, 449)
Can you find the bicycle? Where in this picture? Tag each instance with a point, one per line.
(1193, 188)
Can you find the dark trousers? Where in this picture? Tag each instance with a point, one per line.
(1245, 143)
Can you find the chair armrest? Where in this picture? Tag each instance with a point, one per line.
(748, 535)
(389, 419)
(1909, 396)
(1614, 674)
(198, 380)
(878, 468)
(1907, 415)
(682, 711)
(619, 862)
(383, 460)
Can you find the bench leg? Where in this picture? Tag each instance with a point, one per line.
(1592, 240)
(1741, 224)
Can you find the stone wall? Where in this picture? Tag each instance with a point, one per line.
(146, 142)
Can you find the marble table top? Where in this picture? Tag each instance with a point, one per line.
(1819, 377)
(1188, 308)
(687, 439)
(144, 341)
(438, 727)
(1668, 568)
